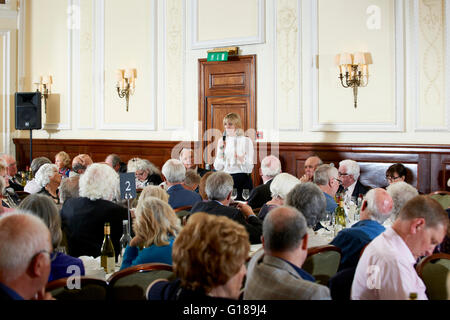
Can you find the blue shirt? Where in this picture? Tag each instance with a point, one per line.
(10, 292)
(64, 266)
(302, 273)
(161, 254)
(352, 240)
(331, 203)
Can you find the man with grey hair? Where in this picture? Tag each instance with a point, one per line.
(326, 178)
(400, 192)
(275, 273)
(114, 161)
(270, 168)
(311, 164)
(375, 209)
(349, 174)
(69, 188)
(174, 173)
(80, 164)
(11, 171)
(25, 250)
(219, 187)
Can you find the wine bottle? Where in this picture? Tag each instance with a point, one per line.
(107, 254)
(124, 240)
(413, 296)
(340, 218)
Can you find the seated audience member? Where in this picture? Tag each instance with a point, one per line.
(386, 270)
(62, 161)
(45, 208)
(49, 179)
(208, 260)
(375, 209)
(444, 246)
(11, 172)
(202, 185)
(80, 164)
(349, 174)
(155, 191)
(310, 201)
(3, 207)
(32, 186)
(282, 184)
(25, 250)
(192, 180)
(187, 158)
(10, 197)
(175, 174)
(83, 218)
(311, 165)
(155, 226)
(69, 188)
(114, 161)
(400, 192)
(326, 178)
(218, 188)
(270, 167)
(396, 173)
(275, 273)
(145, 171)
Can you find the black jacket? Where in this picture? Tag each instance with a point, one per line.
(260, 195)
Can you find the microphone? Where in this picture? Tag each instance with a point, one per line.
(224, 135)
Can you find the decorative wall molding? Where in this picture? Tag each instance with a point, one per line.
(99, 67)
(5, 36)
(399, 123)
(289, 15)
(21, 47)
(415, 65)
(168, 51)
(197, 44)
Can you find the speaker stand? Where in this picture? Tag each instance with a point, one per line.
(31, 146)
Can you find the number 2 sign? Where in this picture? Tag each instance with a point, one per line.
(127, 185)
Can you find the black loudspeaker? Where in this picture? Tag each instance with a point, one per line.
(28, 110)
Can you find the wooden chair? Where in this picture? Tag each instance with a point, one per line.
(131, 283)
(67, 289)
(443, 197)
(256, 211)
(322, 262)
(434, 271)
(183, 213)
(22, 194)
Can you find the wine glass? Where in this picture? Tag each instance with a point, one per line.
(327, 220)
(234, 194)
(245, 194)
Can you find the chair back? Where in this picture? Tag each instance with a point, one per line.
(443, 197)
(131, 283)
(434, 271)
(76, 289)
(322, 262)
(183, 213)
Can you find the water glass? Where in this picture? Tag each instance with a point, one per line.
(245, 194)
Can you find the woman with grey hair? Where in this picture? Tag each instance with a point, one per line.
(49, 179)
(400, 192)
(279, 188)
(83, 218)
(146, 172)
(62, 265)
(32, 186)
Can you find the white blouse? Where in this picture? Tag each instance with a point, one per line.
(236, 146)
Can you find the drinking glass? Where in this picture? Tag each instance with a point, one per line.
(234, 194)
(245, 194)
(327, 220)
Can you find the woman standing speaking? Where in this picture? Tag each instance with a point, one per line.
(235, 154)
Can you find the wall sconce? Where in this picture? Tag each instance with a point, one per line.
(126, 82)
(44, 86)
(355, 70)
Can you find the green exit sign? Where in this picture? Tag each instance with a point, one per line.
(217, 56)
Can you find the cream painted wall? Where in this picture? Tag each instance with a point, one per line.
(293, 96)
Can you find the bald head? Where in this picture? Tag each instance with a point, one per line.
(377, 205)
(81, 162)
(311, 165)
(11, 165)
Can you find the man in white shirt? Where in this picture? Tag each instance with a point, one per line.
(386, 270)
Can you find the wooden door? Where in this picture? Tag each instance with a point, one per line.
(224, 87)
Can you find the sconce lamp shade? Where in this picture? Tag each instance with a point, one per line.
(47, 80)
(368, 57)
(359, 58)
(346, 58)
(37, 80)
(130, 74)
(337, 60)
(119, 74)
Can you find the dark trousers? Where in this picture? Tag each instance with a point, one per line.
(242, 181)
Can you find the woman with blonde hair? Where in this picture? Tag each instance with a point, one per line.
(62, 160)
(155, 226)
(234, 154)
(155, 191)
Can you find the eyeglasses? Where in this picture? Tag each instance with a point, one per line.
(51, 255)
(340, 181)
(391, 178)
(342, 174)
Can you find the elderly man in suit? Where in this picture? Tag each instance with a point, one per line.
(349, 174)
(311, 165)
(218, 189)
(275, 273)
(175, 174)
(270, 167)
(11, 171)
